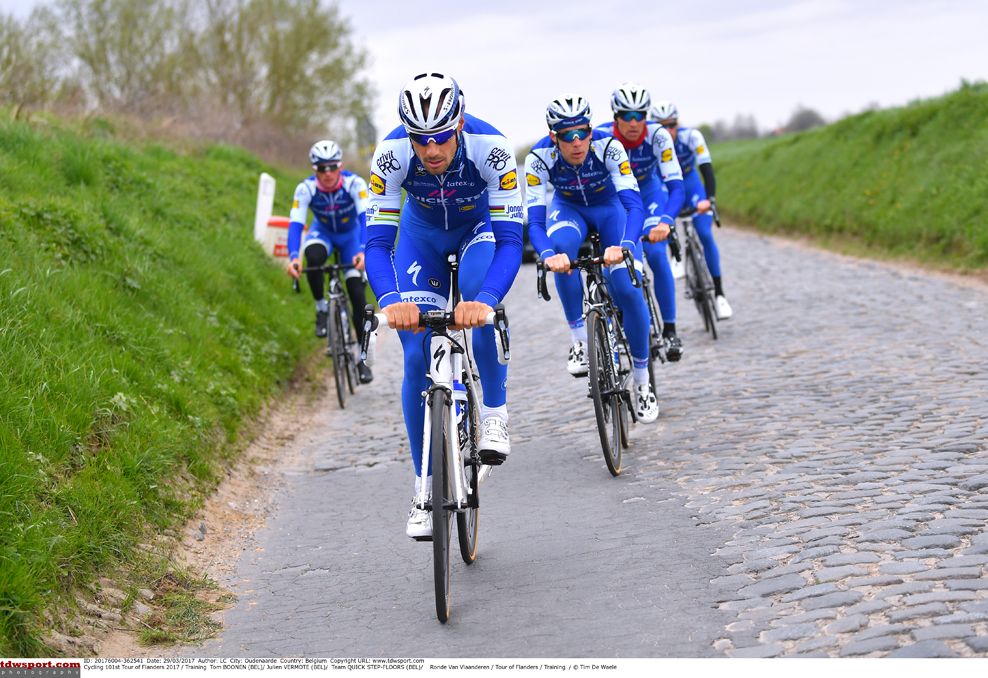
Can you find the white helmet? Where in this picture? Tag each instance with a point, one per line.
(630, 96)
(429, 103)
(664, 110)
(324, 152)
(567, 110)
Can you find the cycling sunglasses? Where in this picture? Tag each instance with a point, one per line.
(571, 135)
(329, 167)
(670, 125)
(629, 116)
(435, 137)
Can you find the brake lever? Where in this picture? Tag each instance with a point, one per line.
(629, 262)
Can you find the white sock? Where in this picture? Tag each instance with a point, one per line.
(322, 305)
(499, 412)
(579, 334)
(640, 375)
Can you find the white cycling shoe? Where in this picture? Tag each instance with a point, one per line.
(678, 268)
(494, 443)
(419, 525)
(646, 407)
(577, 364)
(723, 308)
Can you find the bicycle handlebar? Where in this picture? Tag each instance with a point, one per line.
(330, 268)
(585, 264)
(434, 320)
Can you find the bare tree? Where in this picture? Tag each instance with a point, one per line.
(804, 118)
(28, 77)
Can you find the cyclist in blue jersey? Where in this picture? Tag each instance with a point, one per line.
(462, 196)
(594, 188)
(338, 199)
(695, 161)
(654, 164)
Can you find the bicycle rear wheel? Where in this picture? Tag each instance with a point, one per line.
(441, 496)
(709, 310)
(468, 520)
(335, 349)
(602, 383)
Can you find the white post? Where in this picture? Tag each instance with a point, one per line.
(265, 207)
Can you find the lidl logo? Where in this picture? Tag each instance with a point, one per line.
(667, 155)
(295, 205)
(363, 195)
(625, 167)
(509, 181)
(532, 180)
(700, 149)
(377, 184)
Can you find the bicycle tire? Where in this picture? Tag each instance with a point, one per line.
(335, 351)
(602, 381)
(468, 520)
(349, 346)
(440, 496)
(709, 310)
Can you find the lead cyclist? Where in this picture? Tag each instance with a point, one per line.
(462, 196)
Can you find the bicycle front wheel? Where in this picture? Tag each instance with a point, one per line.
(441, 497)
(468, 520)
(336, 345)
(606, 403)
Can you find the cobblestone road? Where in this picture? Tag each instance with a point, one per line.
(816, 485)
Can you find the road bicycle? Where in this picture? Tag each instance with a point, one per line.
(452, 432)
(699, 283)
(609, 358)
(341, 344)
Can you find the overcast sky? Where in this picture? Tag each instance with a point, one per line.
(714, 59)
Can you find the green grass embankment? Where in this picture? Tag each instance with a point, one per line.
(139, 327)
(908, 182)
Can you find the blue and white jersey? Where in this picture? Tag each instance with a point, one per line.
(653, 156)
(481, 184)
(691, 149)
(335, 212)
(605, 171)
(604, 176)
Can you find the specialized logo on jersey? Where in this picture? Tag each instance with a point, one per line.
(509, 181)
(532, 180)
(624, 167)
(377, 184)
(498, 159)
(414, 271)
(387, 163)
(667, 155)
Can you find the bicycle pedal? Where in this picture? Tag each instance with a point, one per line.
(429, 538)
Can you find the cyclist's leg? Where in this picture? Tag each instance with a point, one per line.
(703, 223)
(655, 199)
(423, 278)
(611, 221)
(316, 250)
(476, 252)
(567, 229)
(349, 246)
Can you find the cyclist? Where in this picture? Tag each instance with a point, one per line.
(694, 159)
(655, 166)
(338, 200)
(462, 196)
(594, 188)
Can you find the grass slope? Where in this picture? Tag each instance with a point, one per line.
(907, 182)
(139, 326)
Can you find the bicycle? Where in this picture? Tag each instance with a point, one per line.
(699, 283)
(452, 420)
(340, 341)
(609, 357)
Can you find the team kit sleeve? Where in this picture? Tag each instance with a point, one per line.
(671, 174)
(296, 219)
(536, 180)
(617, 164)
(382, 216)
(504, 199)
(704, 162)
(358, 191)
